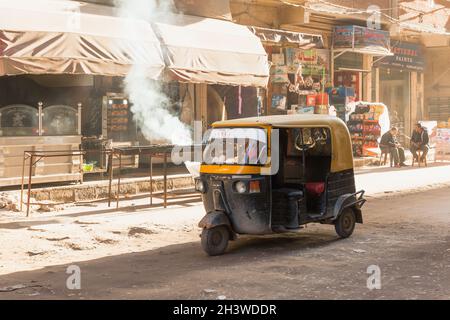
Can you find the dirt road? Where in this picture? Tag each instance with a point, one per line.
(407, 236)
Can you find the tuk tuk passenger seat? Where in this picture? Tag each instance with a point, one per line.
(315, 188)
(285, 207)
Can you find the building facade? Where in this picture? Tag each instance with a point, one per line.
(71, 74)
(411, 81)
(390, 51)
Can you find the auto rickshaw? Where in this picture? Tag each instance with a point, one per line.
(275, 174)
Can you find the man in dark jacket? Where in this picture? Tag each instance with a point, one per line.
(419, 141)
(389, 143)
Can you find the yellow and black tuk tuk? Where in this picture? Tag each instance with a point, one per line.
(275, 174)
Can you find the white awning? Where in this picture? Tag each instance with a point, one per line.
(68, 37)
(207, 50)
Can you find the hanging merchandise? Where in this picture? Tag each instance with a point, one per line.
(298, 77)
(279, 74)
(260, 101)
(309, 66)
(309, 82)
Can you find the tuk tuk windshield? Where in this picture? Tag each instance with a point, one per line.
(244, 146)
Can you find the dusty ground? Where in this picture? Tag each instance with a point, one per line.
(155, 254)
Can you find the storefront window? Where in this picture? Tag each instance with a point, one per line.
(19, 120)
(60, 120)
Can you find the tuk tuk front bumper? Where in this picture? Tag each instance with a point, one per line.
(248, 213)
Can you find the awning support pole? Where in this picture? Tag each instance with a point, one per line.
(23, 178)
(151, 180)
(339, 54)
(165, 180)
(110, 166)
(29, 184)
(118, 180)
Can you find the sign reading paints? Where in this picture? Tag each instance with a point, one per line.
(408, 56)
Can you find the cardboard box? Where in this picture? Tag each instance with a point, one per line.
(306, 110)
(322, 99)
(311, 100)
(279, 102)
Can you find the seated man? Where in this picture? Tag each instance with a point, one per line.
(419, 141)
(390, 144)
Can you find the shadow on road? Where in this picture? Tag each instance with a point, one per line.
(183, 201)
(167, 272)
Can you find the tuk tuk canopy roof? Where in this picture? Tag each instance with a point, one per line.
(342, 153)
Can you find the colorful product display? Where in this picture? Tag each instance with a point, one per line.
(297, 78)
(118, 115)
(365, 128)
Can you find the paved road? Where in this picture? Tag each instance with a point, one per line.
(407, 236)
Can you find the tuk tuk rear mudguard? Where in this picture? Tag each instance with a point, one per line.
(217, 219)
(354, 201)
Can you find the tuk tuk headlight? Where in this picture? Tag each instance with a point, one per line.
(241, 187)
(200, 186)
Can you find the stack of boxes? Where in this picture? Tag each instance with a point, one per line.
(315, 104)
(340, 98)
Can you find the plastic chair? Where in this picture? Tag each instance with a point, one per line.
(385, 152)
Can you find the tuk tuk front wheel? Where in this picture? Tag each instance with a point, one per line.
(215, 240)
(345, 224)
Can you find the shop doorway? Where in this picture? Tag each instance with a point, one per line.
(395, 92)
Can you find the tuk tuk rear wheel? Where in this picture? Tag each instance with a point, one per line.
(215, 240)
(345, 224)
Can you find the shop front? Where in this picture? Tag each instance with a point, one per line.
(63, 85)
(56, 64)
(354, 49)
(401, 85)
(300, 72)
(35, 117)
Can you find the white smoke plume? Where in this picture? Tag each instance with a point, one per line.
(150, 105)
